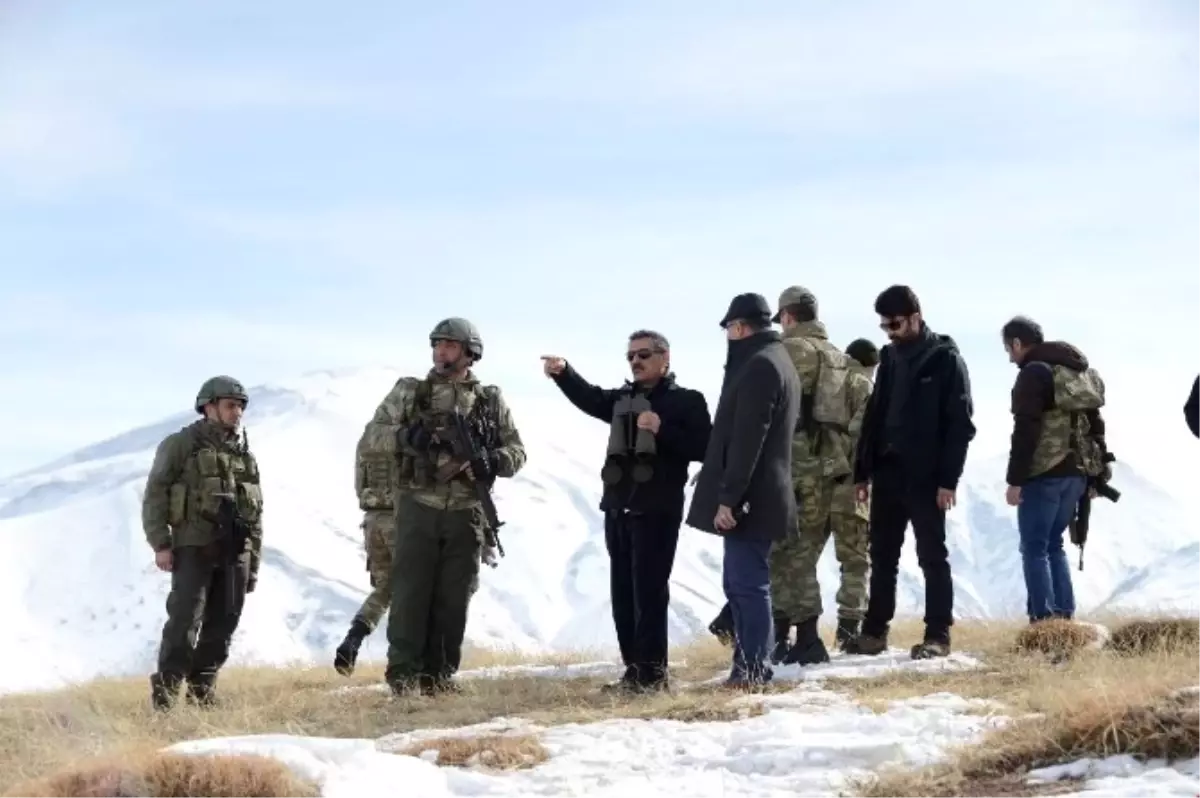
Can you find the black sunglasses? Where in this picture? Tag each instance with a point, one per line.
(891, 325)
(641, 354)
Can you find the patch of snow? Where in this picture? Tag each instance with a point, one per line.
(862, 666)
(1125, 775)
(809, 742)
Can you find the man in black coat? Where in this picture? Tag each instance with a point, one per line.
(744, 489)
(1191, 409)
(912, 450)
(656, 428)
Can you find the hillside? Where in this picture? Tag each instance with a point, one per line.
(84, 598)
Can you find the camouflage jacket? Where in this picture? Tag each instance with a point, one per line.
(820, 450)
(386, 460)
(858, 391)
(191, 469)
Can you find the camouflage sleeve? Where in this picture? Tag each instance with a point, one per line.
(860, 393)
(168, 464)
(393, 414)
(254, 531)
(510, 455)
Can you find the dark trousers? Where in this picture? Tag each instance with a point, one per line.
(641, 553)
(896, 501)
(746, 577)
(435, 572)
(1047, 507)
(202, 614)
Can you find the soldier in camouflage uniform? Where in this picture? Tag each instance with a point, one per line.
(202, 515)
(849, 519)
(441, 532)
(374, 476)
(821, 463)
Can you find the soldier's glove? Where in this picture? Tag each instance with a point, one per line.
(419, 437)
(491, 460)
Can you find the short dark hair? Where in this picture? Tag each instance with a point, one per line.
(1023, 329)
(897, 300)
(658, 339)
(802, 311)
(864, 351)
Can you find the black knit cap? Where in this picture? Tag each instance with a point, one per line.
(750, 307)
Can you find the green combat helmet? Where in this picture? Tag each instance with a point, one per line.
(461, 330)
(222, 387)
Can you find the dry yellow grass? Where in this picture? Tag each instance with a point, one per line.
(1057, 639)
(152, 773)
(496, 751)
(45, 733)
(1095, 704)
(1146, 636)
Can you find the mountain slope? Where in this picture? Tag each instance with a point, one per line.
(83, 597)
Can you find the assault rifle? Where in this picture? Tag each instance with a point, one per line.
(465, 448)
(1083, 513)
(230, 525)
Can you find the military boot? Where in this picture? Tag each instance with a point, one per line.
(935, 644)
(783, 628)
(201, 690)
(869, 645)
(810, 648)
(722, 626)
(847, 630)
(347, 653)
(163, 691)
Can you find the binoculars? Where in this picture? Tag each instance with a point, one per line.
(628, 446)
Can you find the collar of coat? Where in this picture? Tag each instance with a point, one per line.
(807, 329)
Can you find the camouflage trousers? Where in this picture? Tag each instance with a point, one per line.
(795, 591)
(379, 527)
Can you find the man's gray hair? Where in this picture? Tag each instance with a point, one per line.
(658, 339)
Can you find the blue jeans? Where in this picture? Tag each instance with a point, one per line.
(746, 578)
(1047, 507)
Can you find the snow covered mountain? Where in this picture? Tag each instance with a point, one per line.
(82, 597)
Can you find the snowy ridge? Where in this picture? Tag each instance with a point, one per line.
(84, 598)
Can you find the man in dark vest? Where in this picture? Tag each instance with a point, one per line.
(656, 428)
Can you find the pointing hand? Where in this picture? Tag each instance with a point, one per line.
(552, 365)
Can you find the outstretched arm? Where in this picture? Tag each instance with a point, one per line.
(596, 402)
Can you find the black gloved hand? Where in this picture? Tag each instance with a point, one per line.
(419, 437)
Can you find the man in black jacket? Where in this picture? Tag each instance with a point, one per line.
(912, 450)
(1191, 409)
(656, 428)
(744, 489)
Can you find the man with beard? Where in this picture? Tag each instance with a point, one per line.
(744, 488)
(913, 446)
(202, 515)
(656, 428)
(442, 532)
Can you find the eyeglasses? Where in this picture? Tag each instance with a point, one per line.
(641, 354)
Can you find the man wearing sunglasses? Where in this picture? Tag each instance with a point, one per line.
(912, 449)
(656, 428)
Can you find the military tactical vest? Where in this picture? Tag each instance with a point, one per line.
(478, 402)
(1065, 429)
(213, 472)
(631, 451)
(822, 447)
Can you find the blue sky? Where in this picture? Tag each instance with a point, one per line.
(188, 189)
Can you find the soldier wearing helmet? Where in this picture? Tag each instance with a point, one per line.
(201, 473)
(424, 529)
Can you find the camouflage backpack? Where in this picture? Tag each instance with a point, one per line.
(826, 413)
(1074, 393)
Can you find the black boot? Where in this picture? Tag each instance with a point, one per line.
(847, 630)
(809, 648)
(722, 626)
(347, 652)
(783, 628)
(201, 690)
(163, 691)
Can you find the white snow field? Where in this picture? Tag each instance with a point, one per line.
(809, 741)
(83, 598)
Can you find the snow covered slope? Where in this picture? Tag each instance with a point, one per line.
(82, 597)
